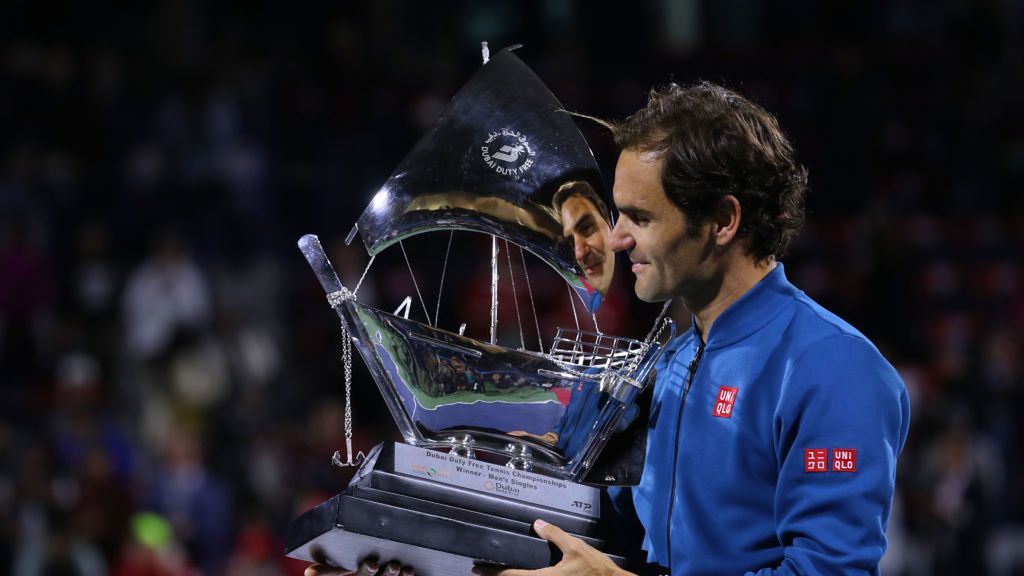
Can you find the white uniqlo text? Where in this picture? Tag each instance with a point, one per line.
(844, 459)
(724, 402)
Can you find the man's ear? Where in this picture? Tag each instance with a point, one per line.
(726, 220)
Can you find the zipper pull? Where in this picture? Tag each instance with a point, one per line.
(696, 361)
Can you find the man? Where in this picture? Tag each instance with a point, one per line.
(585, 221)
(775, 425)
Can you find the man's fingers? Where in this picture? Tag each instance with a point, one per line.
(514, 572)
(321, 570)
(553, 534)
(368, 568)
(495, 571)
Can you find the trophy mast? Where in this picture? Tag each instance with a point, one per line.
(485, 54)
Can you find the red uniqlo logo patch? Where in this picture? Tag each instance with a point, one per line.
(724, 402)
(815, 460)
(844, 459)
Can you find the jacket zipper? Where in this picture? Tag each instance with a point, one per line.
(691, 372)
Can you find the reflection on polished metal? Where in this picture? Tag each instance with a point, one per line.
(522, 457)
(462, 445)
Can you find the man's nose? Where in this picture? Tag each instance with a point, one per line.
(581, 247)
(620, 240)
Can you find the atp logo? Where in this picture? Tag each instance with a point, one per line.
(508, 152)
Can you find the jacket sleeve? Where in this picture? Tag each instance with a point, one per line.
(622, 529)
(843, 402)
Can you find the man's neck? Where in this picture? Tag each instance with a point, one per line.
(734, 283)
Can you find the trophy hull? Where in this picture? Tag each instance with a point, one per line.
(411, 364)
(445, 520)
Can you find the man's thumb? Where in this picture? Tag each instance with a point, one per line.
(541, 527)
(552, 534)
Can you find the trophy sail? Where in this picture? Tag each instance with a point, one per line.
(492, 163)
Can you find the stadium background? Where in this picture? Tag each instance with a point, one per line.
(171, 376)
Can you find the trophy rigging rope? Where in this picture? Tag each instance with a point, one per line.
(515, 295)
(440, 288)
(529, 290)
(361, 278)
(660, 319)
(414, 284)
(572, 303)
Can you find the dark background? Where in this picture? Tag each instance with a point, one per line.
(171, 376)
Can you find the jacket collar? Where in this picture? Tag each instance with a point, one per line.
(753, 310)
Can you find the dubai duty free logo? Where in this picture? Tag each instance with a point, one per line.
(508, 152)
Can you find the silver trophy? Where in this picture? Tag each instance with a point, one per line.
(495, 437)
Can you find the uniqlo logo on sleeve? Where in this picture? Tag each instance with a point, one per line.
(724, 402)
(815, 460)
(844, 459)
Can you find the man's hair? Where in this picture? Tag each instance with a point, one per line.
(583, 190)
(716, 142)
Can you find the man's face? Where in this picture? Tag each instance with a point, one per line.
(582, 222)
(669, 256)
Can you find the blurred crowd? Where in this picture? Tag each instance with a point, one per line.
(172, 386)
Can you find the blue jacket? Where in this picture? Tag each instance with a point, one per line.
(782, 458)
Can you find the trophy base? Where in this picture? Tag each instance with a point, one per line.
(436, 525)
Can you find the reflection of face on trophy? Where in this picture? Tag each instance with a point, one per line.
(585, 223)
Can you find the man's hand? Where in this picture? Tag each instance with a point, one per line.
(548, 438)
(578, 558)
(367, 568)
